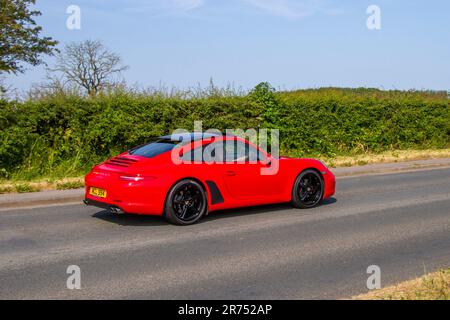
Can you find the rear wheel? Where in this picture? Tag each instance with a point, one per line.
(186, 203)
(308, 189)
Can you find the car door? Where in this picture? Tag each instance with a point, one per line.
(242, 172)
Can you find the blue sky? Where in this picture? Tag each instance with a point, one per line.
(291, 44)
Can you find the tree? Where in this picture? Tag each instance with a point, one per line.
(264, 94)
(20, 37)
(3, 90)
(52, 85)
(90, 65)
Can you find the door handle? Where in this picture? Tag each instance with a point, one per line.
(230, 173)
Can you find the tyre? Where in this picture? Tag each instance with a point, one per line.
(308, 189)
(186, 203)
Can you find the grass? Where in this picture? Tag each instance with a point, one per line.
(26, 187)
(74, 184)
(22, 183)
(21, 186)
(434, 286)
(386, 157)
(6, 189)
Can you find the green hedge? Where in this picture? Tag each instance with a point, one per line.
(66, 135)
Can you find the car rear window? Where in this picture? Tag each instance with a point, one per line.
(154, 148)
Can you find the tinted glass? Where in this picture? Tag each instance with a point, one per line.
(153, 149)
(241, 152)
(233, 151)
(197, 154)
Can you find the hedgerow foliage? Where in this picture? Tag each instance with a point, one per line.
(66, 134)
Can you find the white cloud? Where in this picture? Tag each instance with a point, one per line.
(292, 9)
(161, 6)
(184, 5)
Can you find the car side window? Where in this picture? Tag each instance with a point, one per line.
(194, 155)
(241, 152)
(233, 151)
(205, 153)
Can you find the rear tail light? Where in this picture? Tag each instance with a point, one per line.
(135, 178)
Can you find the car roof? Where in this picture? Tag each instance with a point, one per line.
(190, 136)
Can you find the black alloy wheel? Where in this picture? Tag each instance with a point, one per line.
(308, 189)
(186, 203)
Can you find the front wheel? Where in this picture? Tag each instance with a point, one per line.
(308, 189)
(186, 203)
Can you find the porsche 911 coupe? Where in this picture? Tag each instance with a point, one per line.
(172, 177)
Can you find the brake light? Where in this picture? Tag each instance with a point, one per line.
(135, 178)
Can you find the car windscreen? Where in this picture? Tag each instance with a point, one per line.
(154, 148)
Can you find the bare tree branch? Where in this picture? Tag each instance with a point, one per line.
(89, 65)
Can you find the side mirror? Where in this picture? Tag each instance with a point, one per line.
(267, 161)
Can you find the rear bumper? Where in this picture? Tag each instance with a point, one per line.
(145, 197)
(104, 205)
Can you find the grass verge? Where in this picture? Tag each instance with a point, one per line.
(434, 286)
(34, 186)
(386, 157)
(23, 185)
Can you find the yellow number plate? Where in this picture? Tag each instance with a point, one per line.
(97, 192)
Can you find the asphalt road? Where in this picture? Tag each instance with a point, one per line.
(400, 222)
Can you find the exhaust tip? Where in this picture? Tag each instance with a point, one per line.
(116, 210)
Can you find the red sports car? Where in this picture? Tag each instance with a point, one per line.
(176, 177)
